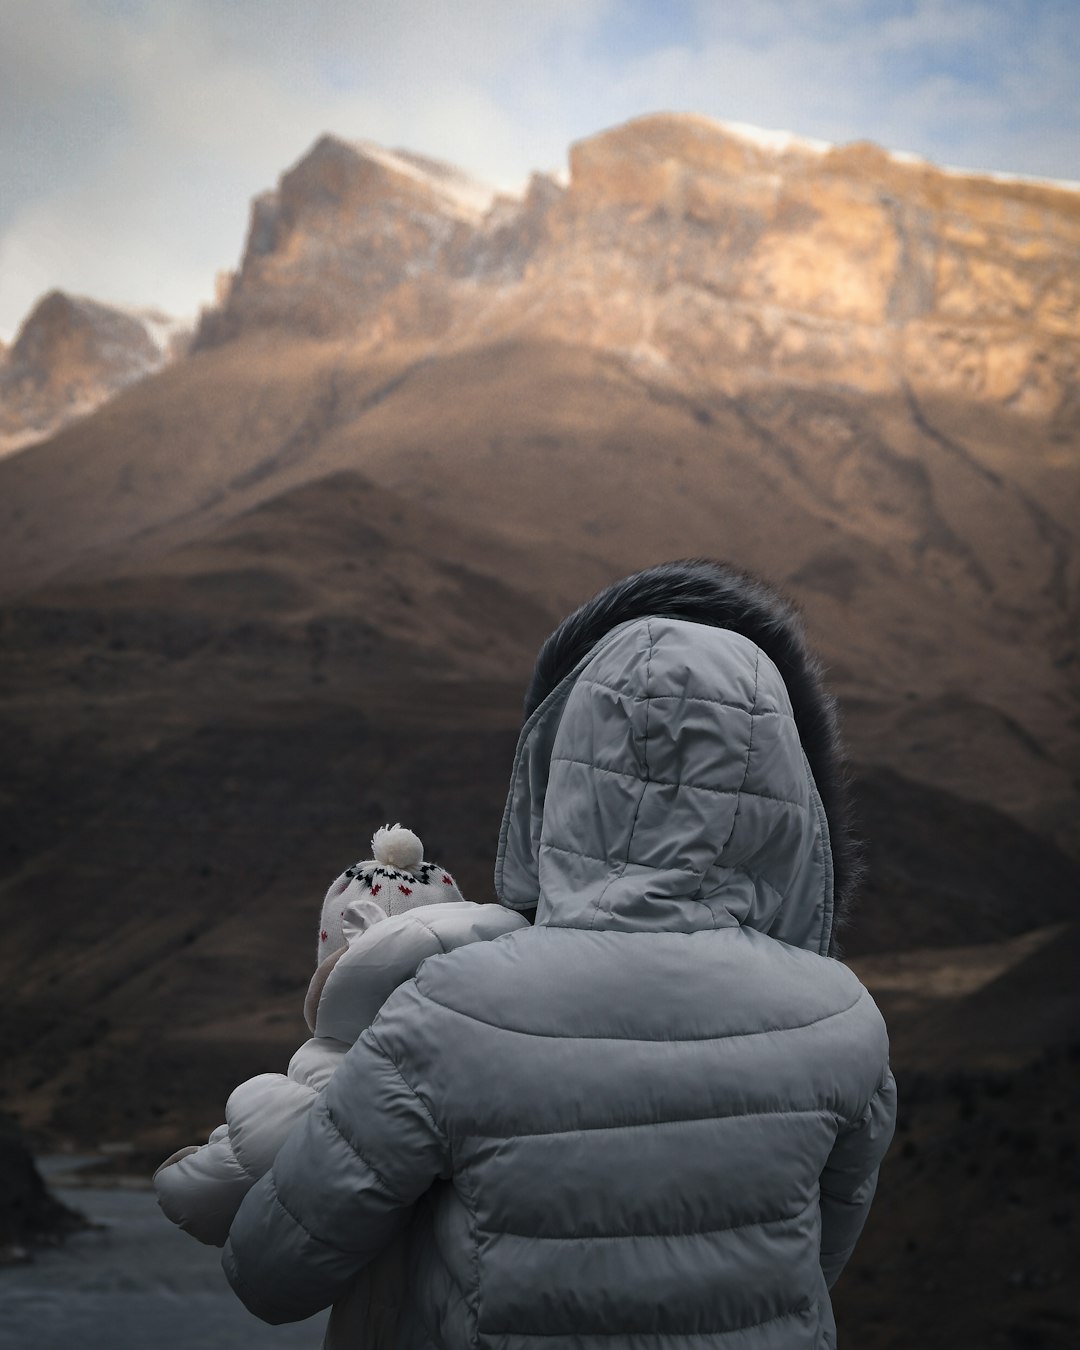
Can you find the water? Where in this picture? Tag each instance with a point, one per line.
(139, 1284)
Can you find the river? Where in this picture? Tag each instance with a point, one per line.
(138, 1283)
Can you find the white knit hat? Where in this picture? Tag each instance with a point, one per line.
(395, 880)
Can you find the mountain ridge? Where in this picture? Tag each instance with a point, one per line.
(845, 264)
(291, 585)
(70, 355)
(563, 375)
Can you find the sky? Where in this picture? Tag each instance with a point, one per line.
(134, 133)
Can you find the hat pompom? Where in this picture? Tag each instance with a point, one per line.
(395, 846)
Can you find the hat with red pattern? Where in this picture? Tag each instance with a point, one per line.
(396, 879)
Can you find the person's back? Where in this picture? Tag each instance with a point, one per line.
(656, 1171)
(659, 1112)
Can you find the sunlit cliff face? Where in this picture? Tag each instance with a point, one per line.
(298, 577)
(701, 250)
(849, 370)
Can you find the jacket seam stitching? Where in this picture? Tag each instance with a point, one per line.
(390, 1190)
(251, 1176)
(474, 1215)
(746, 767)
(294, 1218)
(576, 853)
(442, 1135)
(712, 867)
(844, 1198)
(646, 1040)
(799, 1311)
(621, 870)
(686, 698)
(422, 923)
(655, 1124)
(676, 783)
(679, 1232)
(746, 872)
(864, 1115)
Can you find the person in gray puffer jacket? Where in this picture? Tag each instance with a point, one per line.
(656, 1115)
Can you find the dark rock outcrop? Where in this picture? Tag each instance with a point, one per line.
(29, 1214)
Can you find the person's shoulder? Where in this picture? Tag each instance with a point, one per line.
(780, 961)
(844, 993)
(853, 1024)
(832, 1029)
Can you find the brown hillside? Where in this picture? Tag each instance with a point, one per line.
(293, 583)
(941, 590)
(291, 586)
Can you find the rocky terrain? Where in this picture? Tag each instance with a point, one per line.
(291, 585)
(70, 355)
(695, 250)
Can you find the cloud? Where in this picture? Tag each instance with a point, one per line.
(134, 137)
(987, 84)
(133, 134)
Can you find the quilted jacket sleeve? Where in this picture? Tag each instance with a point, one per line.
(850, 1178)
(339, 1190)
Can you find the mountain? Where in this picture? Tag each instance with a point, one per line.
(689, 246)
(291, 584)
(72, 354)
(345, 228)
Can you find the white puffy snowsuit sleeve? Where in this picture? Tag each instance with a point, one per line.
(200, 1189)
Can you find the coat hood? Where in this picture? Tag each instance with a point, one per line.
(663, 782)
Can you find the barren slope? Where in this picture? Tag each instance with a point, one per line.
(293, 583)
(291, 587)
(942, 591)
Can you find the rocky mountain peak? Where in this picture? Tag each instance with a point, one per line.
(696, 245)
(346, 224)
(705, 246)
(70, 354)
(344, 175)
(643, 161)
(75, 329)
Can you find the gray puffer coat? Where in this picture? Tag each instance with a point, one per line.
(654, 1118)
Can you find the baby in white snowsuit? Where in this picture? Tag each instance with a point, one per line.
(379, 920)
